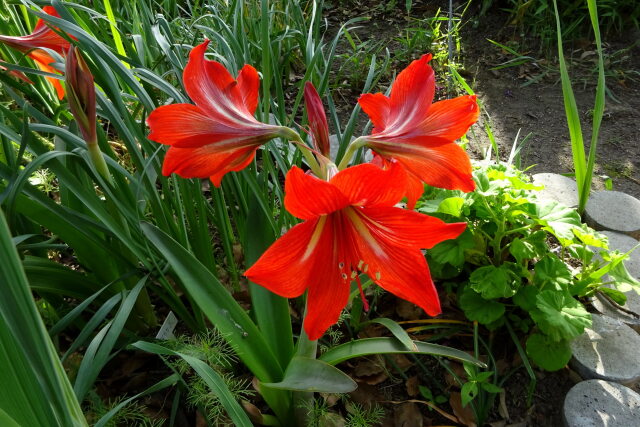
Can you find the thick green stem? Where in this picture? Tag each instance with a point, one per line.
(351, 149)
(98, 161)
(301, 399)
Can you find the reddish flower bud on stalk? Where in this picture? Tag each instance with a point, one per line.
(32, 45)
(81, 94)
(317, 120)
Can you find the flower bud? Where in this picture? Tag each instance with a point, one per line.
(81, 94)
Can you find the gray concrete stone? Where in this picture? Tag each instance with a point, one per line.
(615, 211)
(557, 188)
(597, 403)
(608, 351)
(623, 243)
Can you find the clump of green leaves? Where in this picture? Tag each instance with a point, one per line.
(523, 260)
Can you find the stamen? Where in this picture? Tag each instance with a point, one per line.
(360, 264)
(364, 300)
(353, 274)
(366, 268)
(378, 275)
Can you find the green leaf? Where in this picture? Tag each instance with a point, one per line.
(479, 309)
(616, 295)
(551, 270)
(530, 247)
(367, 346)
(306, 374)
(491, 388)
(526, 298)
(558, 220)
(219, 306)
(451, 206)
(397, 332)
(468, 392)
(559, 315)
(215, 382)
(35, 389)
(494, 282)
(590, 237)
(547, 353)
(452, 251)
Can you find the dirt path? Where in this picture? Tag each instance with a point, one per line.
(538, 108)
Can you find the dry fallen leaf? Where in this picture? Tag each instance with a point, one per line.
(412, 385)
(370, 372)
(407, 415)
(464, 414)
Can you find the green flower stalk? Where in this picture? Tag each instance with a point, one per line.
(81, 94)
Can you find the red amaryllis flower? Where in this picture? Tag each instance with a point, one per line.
(219, 133)
(420, 134)
(41, 37)
(351, 226)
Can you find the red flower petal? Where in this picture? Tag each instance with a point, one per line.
(412, 93)
(207, 161)
(248, 86)
(399, 269)
(451, 119)
(368, 184)
(308, 197)
(403, 228)
(42, 60)
(444, 165)
(377, 107)
(286, 266)
(207, 83)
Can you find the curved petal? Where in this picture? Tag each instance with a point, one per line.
(286, 266)
(443, 165)
(42, 60)
(248, 86)
(377, 107)
(410, 229)
(207, 161)
(329, 286)
(188, 126)
(414, 189)
(400, 270)
(308, 197)
(369, 185)
(208, 84)
(412, 94)
(451, 119)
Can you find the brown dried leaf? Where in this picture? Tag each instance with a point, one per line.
(370, 372)
(464, 414)
(412, 385)
(253, 412)
(407, 415)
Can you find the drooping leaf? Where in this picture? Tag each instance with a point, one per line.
(547, 353)
(559, 315)
(306, 374)
(552, 271)
(479, 309)
(558, 219)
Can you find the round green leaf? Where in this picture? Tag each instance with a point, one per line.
(548, 354)
(477, 308)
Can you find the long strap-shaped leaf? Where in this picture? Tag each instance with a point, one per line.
(219, 306)
(368, 346)
(35, 389)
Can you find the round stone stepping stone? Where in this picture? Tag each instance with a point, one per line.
(615, 211)
(557, 188)
(608, 351)
(597, 403)
(623, 243)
